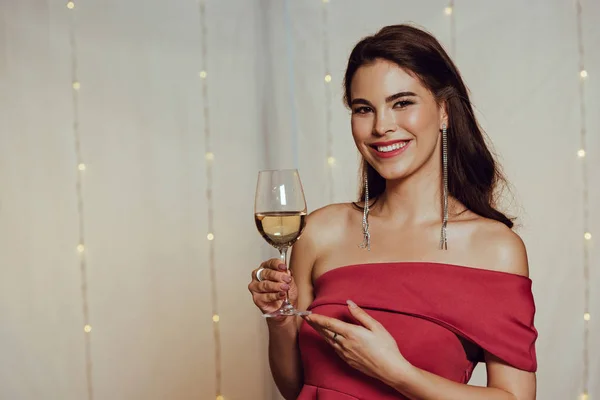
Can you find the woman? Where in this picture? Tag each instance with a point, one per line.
(423, 278)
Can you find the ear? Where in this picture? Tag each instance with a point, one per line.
(443, 115)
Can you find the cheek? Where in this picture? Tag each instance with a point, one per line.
(421, 123)
(361, 127)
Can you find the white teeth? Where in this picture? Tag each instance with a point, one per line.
(391, 147)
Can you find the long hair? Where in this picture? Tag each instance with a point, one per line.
(473, 174)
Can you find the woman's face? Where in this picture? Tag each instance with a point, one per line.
(395, 119)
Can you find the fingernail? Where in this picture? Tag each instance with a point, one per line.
(282, 267)
(281, 294)
(351, 304)
(285, 287)
(287, 278)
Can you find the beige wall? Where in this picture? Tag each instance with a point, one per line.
(145, 215)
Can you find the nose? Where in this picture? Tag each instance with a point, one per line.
(385, 122)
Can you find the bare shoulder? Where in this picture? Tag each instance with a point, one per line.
(323, 228)
(324, 225)
(498, 246)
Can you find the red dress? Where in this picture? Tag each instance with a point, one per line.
(442, 316)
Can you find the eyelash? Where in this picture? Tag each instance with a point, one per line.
(365, 110)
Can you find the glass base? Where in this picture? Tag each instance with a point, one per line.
(286, 310)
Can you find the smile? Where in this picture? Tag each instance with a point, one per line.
(384, 150)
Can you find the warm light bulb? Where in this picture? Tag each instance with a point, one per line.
(587, 316)
(210, 156)
(587, 236)
(87, 329)
(448, 10)
(81, 167)
(219, 397)
(216, 318)
(331, 160)
(202, 74)
(581, 153)
(76, 85)
(70, 5)
(327, 78)
(584, 396)
(80, 248)
(583, 73)
(210, 236)
(325, 1)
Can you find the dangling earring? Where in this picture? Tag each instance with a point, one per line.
(366, 244)
(443, 238)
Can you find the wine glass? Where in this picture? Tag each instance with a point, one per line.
(279, 213)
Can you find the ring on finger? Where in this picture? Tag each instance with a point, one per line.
(334, 337)
(258, 272)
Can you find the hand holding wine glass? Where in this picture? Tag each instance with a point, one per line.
(279, 213)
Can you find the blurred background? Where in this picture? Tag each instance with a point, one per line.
(131, 134)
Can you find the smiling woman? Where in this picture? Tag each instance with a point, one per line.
(440, 281)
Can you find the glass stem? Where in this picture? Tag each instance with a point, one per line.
(283, 256)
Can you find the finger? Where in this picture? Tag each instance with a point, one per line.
(268, 287)
(337, 344)
(361, 316)
(331, 324)
(329, 336)
(275, 264)
(266, 298)
(275, 276)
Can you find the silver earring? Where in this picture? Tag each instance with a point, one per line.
(443, 238)
(366, 244)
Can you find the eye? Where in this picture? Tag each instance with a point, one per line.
(362, 110)
(403, 104)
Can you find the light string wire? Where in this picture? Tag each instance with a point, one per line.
(81, 168)
(331, 161)
(585, 204)
(210, 157)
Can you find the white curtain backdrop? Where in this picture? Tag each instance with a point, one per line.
(145, 209)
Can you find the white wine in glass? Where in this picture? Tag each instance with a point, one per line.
(279, 213)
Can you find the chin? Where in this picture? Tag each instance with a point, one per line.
(393, 173)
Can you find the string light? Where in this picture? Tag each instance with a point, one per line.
(210, 204)
(448, 10)
(585, 206)
(80, 165)
(328, 101)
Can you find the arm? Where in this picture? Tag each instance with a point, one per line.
(284, 356)
(504, 383)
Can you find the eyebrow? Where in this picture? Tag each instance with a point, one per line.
(387, 99)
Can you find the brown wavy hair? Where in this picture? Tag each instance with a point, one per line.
(473, 173)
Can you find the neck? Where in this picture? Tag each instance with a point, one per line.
(415, 199)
